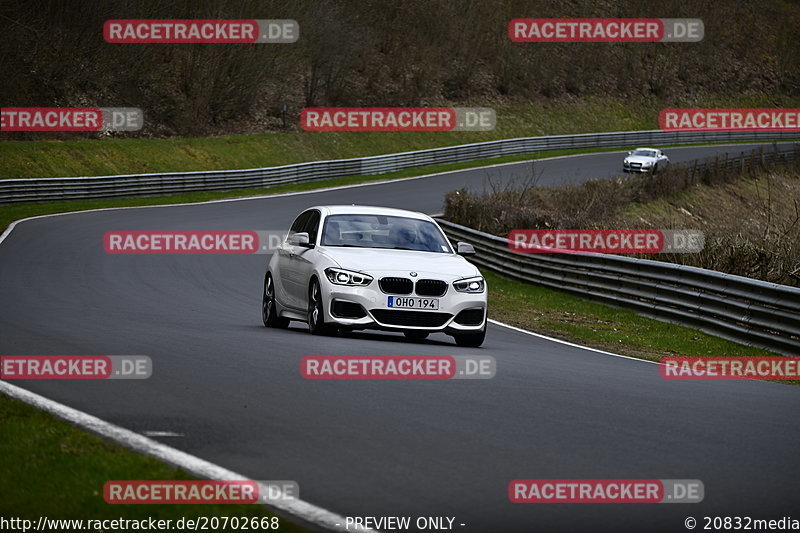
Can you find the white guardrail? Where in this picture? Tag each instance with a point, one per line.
(53, 189)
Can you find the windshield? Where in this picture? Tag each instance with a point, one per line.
(381, 231)
(645, 153)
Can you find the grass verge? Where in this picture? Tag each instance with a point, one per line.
(54, 469)
(12, 212)
(567, 317)
(108, 156)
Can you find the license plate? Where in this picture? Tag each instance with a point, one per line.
(401, 302)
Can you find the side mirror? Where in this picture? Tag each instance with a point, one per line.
(629, 153)
(299, 239)
(465, 248)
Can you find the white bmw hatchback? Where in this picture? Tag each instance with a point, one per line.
(357, 267)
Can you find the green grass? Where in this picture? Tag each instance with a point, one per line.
(107, 156)
(57, 470)
(51, 468)
(564, 316)
(96, 157)
(12, 212)
(557, 314)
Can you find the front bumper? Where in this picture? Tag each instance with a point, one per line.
(634, 167)
(458, 312)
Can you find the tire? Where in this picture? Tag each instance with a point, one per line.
(655, 169)
(470, 340)
(416, 335)
(269, 313)
(316, 315)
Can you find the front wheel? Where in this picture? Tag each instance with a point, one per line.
(269, 312)
(316, 315)
(470, 340)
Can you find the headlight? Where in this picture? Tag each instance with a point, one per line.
(626, 162)
(472, 285)
(339, 276)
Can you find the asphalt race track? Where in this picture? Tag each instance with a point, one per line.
(233, 391)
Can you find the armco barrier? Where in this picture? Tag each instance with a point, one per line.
(51, 189)
(743, 310)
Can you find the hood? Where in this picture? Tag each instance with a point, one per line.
(426, 264)
(639, 159)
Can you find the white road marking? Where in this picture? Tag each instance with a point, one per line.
(146, 446)
(552, 339)
(11, 226)
(195, 465)
(278, 195)
(162, 434)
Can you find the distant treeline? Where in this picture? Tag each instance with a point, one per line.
(380, 53)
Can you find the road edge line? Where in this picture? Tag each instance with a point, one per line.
(307, 513)
(574, 345)
(336, 187)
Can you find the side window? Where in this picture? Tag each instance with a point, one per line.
(299, 222)
(312, 226)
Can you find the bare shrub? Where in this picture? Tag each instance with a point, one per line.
(748, 208)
